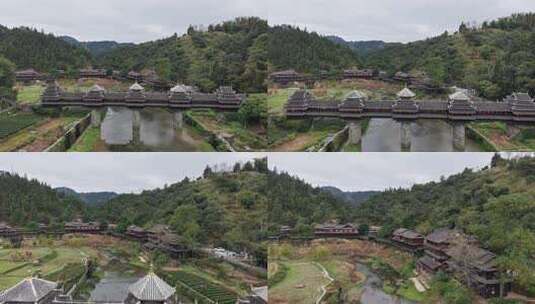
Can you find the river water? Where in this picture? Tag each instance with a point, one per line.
(113, 287)
(384, 135)
(372, 291)
(158, 130)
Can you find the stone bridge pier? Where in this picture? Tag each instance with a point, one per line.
(459, 136)
(405, 135)
(354, 132)
(178, 119)
(96, 118)
(136, 128)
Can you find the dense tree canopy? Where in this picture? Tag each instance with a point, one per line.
(7, 77)
(293, 48)
(23, 201)
(231, 53)
(496, 58)
(29, 48)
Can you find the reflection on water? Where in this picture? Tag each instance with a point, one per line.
(373, 293)
(113, 287)
(147, 129)
(383, 135)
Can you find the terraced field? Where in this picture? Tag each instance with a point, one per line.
(216, 293)
(10, 124)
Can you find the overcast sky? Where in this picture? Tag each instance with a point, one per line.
(119, 172)
(375, 171)
(142, 20)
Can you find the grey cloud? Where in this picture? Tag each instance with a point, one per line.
(120, 172)
(375, 171)
(142, 20)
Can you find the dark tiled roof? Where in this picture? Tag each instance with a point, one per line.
(429, 262)
(406, 233)
(30, 290)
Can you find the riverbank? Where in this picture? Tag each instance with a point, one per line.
(350, 263)
(117, 263)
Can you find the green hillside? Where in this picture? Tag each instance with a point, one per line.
(495, 58)
(24, 202)
(231, 53)
(223, 209)
(293, 48)
(298, 204)
(496, 204)
(29, 48)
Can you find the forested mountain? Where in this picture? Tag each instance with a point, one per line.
(497, 205)
(361, 47)
(293, 48)
(95, 48)
(24, 201)
(295, 203)
(354, 199)
(220, 208)
(230, 53)
(90, 198)
(495, 58)
(223, 209)
(29, 48)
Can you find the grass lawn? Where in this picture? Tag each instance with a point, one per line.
(277, 99)
(302, 284)
(30, 94)
(65, 255)
(409, 292)
(88, 141)
(496, 132)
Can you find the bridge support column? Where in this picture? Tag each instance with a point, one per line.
(96, 118)
(459, 136)
(405, 135)
(136, 131)
(355, 132)
(179, 120)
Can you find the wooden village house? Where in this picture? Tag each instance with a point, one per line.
(336, 231)
(79, 226)
(456, 253)
(285, 77)
(92, 73)
(408, 239)
(27, 76)
(358, 73)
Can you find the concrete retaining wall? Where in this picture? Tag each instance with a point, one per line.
(69, 138)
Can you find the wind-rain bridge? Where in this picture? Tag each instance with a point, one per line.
(518, 108)
(178, 99)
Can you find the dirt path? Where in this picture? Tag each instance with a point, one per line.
(296, 144)
(324, 287)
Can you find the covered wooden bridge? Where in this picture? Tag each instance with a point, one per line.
(518, 108)
(179, 97)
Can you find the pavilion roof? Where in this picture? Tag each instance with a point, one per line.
(30, 290)
(151, 288)
(461, 96)
(356, 94)
(136, 87)
(96, 88)
(406, 93)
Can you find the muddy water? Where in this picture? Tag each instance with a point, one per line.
(147, 129)
(383, 135)
(372, 289)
